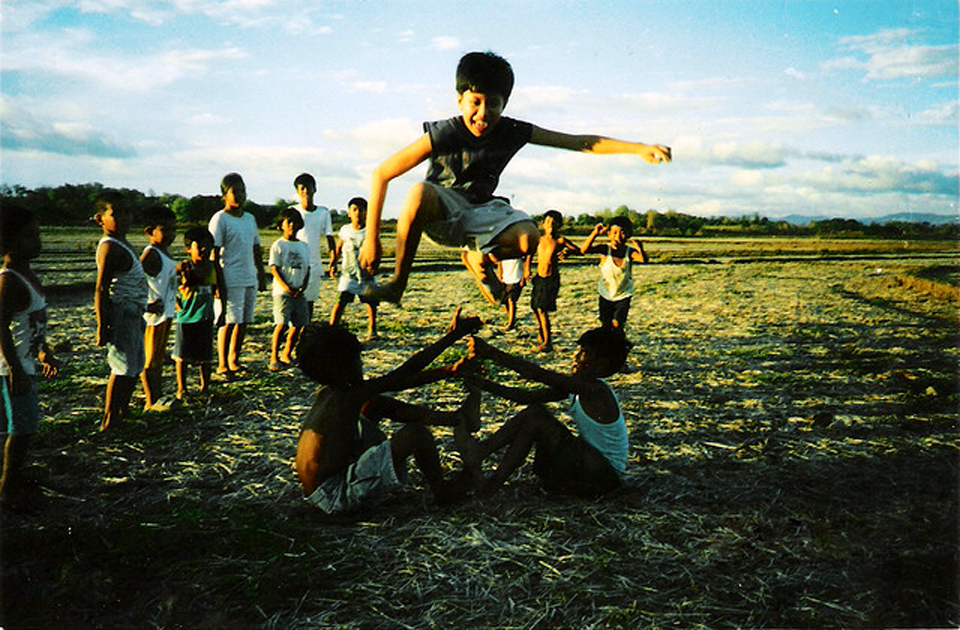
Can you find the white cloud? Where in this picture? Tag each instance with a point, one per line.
(889, 54)
(445, 43)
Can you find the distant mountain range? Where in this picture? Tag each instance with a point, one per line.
(905, 217)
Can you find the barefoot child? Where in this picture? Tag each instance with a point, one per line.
(513, 274)
(343, 460)
(23, 323)
(616, 269)
(456, 205)
(119, 302)
(546, 283)
(201, 280)
(160, 228)
(589, 463)
(317, 226)
(353, 279)
(291, 270)
(236, 248)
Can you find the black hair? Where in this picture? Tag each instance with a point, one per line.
(293, 215)
(324, 351)
(109, 199)
(14, 219)
(624, 223)
(485, 72)
(230, 180)
(610, 345)
(197, 234)
(359, 202)
(557, 216)
(305, 179)
(156, 215)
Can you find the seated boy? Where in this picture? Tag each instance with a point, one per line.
(456, 205)
(587, 464)
(344, 461)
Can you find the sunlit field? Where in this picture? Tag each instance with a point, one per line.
(792, 406)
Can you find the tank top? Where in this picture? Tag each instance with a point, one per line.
(130, 286)
(610, 439)
(616, 282)
(28, 327)
(162, 288)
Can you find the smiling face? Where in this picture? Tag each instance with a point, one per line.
(481, 111)
(617, 236)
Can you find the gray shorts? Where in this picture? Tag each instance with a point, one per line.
(365, 481)
(125, 354)
(241, 302)
(475, 226)
(289, 310)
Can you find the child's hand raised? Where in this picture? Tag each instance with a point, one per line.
(476, 348)
(464, 326)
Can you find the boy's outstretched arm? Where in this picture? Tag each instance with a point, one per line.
(396, 165)
(531, 371)
(652, 153)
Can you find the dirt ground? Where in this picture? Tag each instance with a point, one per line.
(794, 463)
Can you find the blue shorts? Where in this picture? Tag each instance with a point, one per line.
(21, 414)
(289, 310)
(125, 354)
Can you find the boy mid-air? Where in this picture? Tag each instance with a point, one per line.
(456, 205)
(344, 461)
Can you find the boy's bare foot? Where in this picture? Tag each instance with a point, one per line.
(486, 277)
(275, 367)
(377, 293)
(544, 347)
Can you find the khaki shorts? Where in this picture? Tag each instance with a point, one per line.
(365, 481)
(475, 226)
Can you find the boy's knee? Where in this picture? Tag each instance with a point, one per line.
(422, 202)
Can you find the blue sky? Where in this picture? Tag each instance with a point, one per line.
(838, 108)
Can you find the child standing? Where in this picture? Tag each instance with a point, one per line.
(290, 266)
(616, 269)
(353, 279)
(236, 248)
(161, 270)
(513, 273)
(23, 323)
(119, 302)
(317, 225)
(344, 461)
(456, 205)
(587, 464)
(201, 280)
(546, 284)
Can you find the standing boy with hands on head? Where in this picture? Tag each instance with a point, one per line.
(616, 268)
(455, 205)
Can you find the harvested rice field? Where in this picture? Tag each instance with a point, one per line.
(792, 407)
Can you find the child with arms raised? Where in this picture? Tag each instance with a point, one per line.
(160, 227)
(343, 460)
(23, 323)
(546, 283)
(201, 280)
(456, 205)
(616, 269)
(589, 463)
(119, 301)
(353, 279)
(290, 266)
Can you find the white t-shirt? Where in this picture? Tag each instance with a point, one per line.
(316, 225)
(235, 237)
(292, 260)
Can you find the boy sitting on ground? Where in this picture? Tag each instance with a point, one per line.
(344, 461)
(587, 464)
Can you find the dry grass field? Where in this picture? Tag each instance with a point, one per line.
(792, 406)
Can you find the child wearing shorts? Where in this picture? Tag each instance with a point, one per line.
(353, 280)
(290, 266)
(119, 301)
(161, 270)
(201, 280)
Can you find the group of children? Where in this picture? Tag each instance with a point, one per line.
(343, 459)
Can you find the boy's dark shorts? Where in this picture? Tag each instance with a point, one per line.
(545, 292)
(574, 467)
(194, 342)
(346, 297)
(511, 293)
(614, 311)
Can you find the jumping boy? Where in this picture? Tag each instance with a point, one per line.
(546, 283)
(290, 266)
(160, 227)
(343, 460)
(456, 205)
(23, 323)
(201, 280)
(353, 280)
(236, 248)
(317, 225)
(616, 269)
(587, 464)
(119, 301)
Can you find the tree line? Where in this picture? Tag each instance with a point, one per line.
(72, 204)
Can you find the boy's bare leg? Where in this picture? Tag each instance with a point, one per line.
(181, 379)
(371, 321)
(337, 312)
(530, 426)
(421, 206)
(546, 340)
(224, 335)
(151, 378)
(292, 336)
(119, 391)
(275, 346)
(481, 267)
(236, 344)
(204, 377)
(14, 459)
